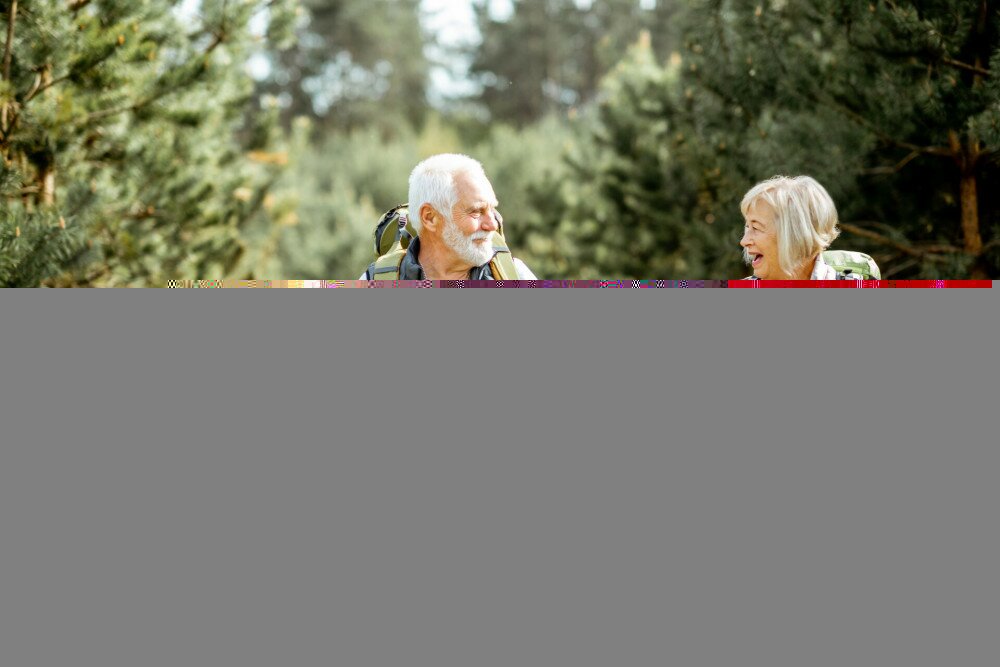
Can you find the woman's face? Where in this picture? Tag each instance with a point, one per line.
(760, 242)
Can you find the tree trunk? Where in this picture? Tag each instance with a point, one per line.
(970, 213)
(47, 181)
(27, 198)
(8, 46)
(970, 226)
(967, 157)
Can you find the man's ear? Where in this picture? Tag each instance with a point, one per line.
(430, 219)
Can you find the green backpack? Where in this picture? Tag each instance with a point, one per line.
(393, 235)
(852, 265)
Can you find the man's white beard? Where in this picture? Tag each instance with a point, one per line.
(464, 246)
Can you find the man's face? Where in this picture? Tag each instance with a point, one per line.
(760, 242)
(473, 220)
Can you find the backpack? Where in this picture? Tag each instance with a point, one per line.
(852, 265)
(393, 235)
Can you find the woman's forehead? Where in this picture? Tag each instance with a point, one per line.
(760, 211)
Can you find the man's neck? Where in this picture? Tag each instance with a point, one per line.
(440, 263)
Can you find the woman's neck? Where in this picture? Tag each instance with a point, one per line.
(805, 270)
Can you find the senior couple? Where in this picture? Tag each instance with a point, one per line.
(789, 225)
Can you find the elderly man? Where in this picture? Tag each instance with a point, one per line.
(453, 209)
(790, 224)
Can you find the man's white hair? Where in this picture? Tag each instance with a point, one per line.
(805, 217)
(433, 182)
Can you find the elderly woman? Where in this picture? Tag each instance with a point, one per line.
(790, 223)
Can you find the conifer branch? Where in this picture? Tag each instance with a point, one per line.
(38, 88)
(927, 252)
(876, 171)
(100, 115)
(967, 67)
(902, 54)
(107, 113)
(76, 5)
(938, 151)
(219, 36)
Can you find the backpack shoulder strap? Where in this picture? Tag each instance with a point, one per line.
(393, 228)
(387, 266)
(502, 265)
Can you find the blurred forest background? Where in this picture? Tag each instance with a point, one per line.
(149, 140)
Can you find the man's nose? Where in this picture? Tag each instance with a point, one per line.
(745, 241)
(491, 224)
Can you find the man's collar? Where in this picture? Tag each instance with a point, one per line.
(410, 269)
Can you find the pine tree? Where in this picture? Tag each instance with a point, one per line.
(354, 63)
(549, 56)
(117, 130)
(894, 106)
(632, 204)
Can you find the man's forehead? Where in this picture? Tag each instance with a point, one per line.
(474, 189)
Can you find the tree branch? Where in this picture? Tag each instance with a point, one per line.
(965, 66)
(939, 151)
(219, 36)
(896, 268)
(40, 88)
(99, 115)
(926, 252)
(76, 5)
(106, 113)
(875, 171)
(36, 88)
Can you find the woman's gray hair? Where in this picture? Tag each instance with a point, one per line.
(433, 182)
(805, 217)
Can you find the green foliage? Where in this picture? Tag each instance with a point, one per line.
(528, 170)
(889, 105)
(549, 56)
(631, 203)
(353, 63)
(337, 190)
(119, 117)
(34, 247)
(891, 108)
